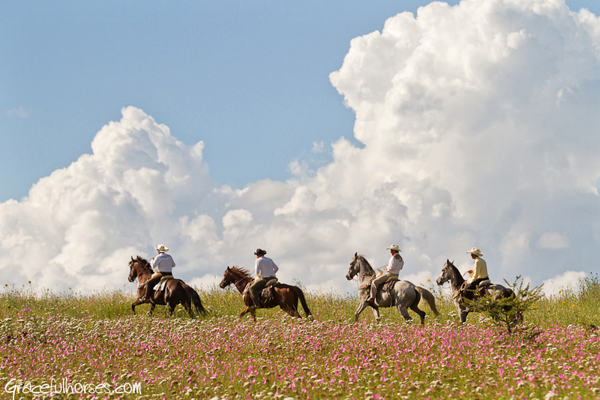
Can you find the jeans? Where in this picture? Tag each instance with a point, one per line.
(383, 278)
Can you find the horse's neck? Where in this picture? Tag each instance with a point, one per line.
(144, 273)
(241, 283)
(457, 280)
(366, 273)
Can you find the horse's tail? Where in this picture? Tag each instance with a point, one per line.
(300, 295)
(195, 299)
(429, 298)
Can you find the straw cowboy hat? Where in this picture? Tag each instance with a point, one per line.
(475, 251)
(394, 247)
(162, 248)
(260, 252)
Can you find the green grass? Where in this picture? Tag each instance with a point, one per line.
(93, 338)
(576, 307)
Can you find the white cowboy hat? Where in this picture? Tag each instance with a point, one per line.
(394, 247)
(162, 248)
(475, 251)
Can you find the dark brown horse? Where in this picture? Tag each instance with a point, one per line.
(284, 296)
(176, 291)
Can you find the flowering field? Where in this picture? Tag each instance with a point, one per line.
(91, 340)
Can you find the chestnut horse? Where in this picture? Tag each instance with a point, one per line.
(285, 296)
(176, 291)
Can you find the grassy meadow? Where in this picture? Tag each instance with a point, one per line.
(91, 339)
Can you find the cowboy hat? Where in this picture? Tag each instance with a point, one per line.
(394, 247)
(162, 248)
(260, 252)
(476, 252)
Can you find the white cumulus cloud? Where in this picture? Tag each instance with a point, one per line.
(552, 240)
(19, 112)
(568, 281)
(479, 126)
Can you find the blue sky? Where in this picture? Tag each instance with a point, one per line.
(474, 124)
(250, 79)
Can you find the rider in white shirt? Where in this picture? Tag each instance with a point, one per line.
(163, 266)
(392, 270)
(265, 270)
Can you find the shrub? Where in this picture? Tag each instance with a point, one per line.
(509, 312)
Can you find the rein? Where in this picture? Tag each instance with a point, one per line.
(141, 284)
(241, 280)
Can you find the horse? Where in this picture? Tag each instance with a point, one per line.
(284, 296)
(176, 291)
(451, 273)
(403, 295)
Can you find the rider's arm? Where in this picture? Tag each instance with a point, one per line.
(257, 269)
(480, 269)
(275, 267)
(390, 265)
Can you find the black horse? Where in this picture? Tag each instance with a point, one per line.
(176, 291)
(452, 274)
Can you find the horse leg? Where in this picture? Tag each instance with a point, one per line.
(416, 309)
(244, 312)
(291, 311)
(462, 313)
(152, 305)
(135, 303)
(360, 309)
(171, 308)
(404, 312)
(188, 308)
(376, 312)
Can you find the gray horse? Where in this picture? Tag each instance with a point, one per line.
(451, 273)
(404, 294)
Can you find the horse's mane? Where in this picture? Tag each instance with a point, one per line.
(457, 273)
(243, 273)
(143, 262)
(362, 257)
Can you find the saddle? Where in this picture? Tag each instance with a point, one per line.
(479, 291)
(387, 287)
(384, 287)
(160, 286)
(267, 294)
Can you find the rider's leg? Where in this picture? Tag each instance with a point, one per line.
(383, 278)
(255, 287)
(154, 279)
(471, 288)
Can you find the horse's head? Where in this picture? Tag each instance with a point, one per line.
(132, 271)
(354, 267)
(227, 278)
(447, 273)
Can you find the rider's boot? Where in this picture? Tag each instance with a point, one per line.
(255, 301)
(149, 293)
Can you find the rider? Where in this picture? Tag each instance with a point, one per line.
(478, 276)
(265, 270)
(393, 268)
(163, 265)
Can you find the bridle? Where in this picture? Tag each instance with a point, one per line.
(235, 283)
(356, 274)
(137, 276)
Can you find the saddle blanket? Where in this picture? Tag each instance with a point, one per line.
(160, 286)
